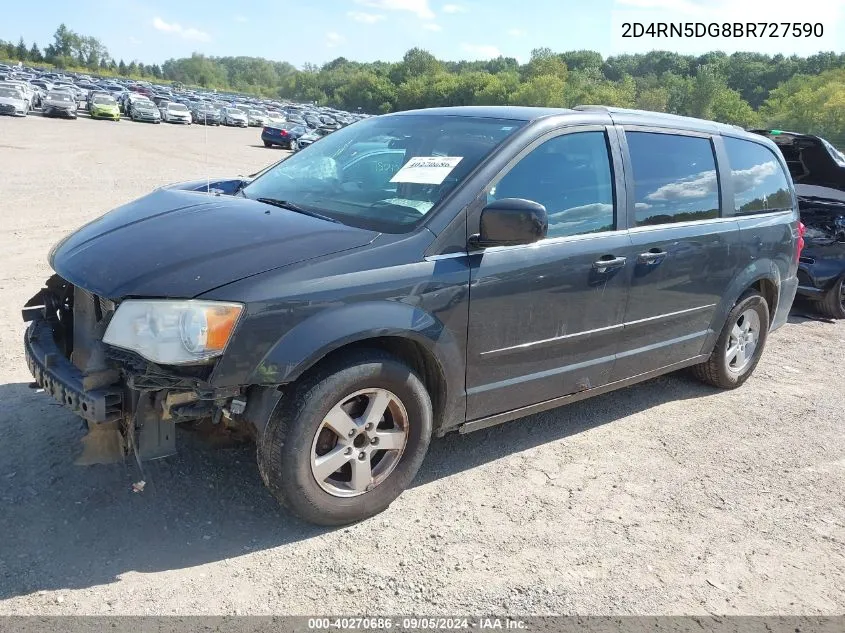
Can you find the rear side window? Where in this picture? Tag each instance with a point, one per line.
(759, 182)
(674, 178)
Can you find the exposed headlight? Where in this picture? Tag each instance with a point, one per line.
(173, 332)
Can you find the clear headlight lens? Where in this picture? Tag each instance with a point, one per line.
(173, 332)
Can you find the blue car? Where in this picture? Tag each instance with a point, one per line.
(282, 134)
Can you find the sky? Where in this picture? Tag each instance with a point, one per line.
(317, 31)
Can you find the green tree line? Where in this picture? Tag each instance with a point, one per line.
(747, 89)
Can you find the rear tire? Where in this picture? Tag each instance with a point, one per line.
(731, 362)
(367, 479)
(833, 303)
(268, 144)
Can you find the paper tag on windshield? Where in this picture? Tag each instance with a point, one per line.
(427, 170)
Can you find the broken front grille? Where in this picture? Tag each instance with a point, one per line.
(91, 315)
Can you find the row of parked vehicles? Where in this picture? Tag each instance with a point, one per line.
(26, 89)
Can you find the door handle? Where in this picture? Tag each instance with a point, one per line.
(652, 257)
(609, 263)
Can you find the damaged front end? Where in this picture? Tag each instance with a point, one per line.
(131, 404)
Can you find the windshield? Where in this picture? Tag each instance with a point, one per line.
(104, 100)
(9, 92)
(256, 113)
(385, 173)
(176, 107)
(59, 96)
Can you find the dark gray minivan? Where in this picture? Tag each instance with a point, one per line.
(414, 274)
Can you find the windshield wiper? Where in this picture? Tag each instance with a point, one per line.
(290, 206)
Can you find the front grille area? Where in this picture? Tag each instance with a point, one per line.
(84, 300)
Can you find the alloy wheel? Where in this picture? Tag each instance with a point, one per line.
(742, 341)
(359, 442)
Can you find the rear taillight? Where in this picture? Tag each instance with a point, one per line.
(283, 132)
(799, 245)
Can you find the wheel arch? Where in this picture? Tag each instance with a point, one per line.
(761, 276)
(407, 349)
(407, 332)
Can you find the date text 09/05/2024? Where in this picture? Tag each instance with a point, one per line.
(723, 29)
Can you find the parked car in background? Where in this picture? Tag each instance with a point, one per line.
(103, 106)
(145, 110)
(818, 169)
(235, 117)
(312, 121)
(12, 100)
(205, 114)
(27, 91)
(311, 136)
(59, 103)
(127, 100)
(348, 305)
(257, 117)
(274, 116)
(173, 112)
(282, 134)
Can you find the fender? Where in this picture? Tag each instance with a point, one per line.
(762, 269)
(308, 342)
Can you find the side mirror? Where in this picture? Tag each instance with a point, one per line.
(510, 222)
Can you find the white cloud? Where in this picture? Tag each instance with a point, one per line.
(188, 33)
(746, 179)
(420, 8)
(454, 8)
(241, 19)
(134, 40)
(701, 185)
(481, 51)
(431, 26)
(517, 32)
(365, 18)
(334, 39)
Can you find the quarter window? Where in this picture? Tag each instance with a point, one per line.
(570, 175)
(759, 183)
(674, 178)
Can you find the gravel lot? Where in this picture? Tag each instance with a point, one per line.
(665, 498)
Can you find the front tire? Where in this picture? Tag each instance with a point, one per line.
(833, 304)
(739, 346)
(346, 440)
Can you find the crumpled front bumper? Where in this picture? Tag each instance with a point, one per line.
(64, 381)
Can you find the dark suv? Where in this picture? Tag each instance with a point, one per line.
(415, 274)
(818, 171)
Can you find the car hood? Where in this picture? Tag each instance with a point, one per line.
(176, 243)
(104, 106)
(13, 101)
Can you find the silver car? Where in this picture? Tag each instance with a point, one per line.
(235, 116)
(12, 101)
(257, 118)
(59, 103)
(176, 113)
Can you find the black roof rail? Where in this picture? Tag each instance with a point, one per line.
(713, 125)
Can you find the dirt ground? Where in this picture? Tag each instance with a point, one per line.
(665, 498)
